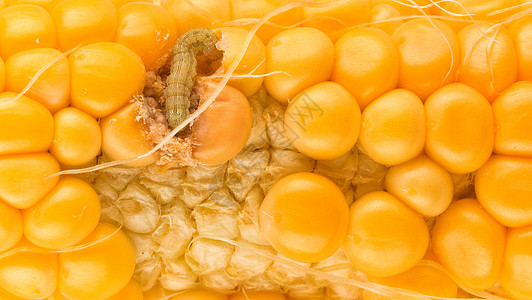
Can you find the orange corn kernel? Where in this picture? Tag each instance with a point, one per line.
(27, 126)
(2, 75)
(422, 184)
(24, 27)
(489, 67)
(305, 56)
(253, 62)
(521, 32)
(105, 76)
(393, 127)
(460, 131)
(65, 216)
(259, 295)
(428, 55)
(119, 3)
(52, 89)
(382, 17)
(11, 227)
(27, 178)
(385, 237)
(517, 263)
(223, 129)
(198, 13)
(122, 137)
(366, 63)
(4, 295)
(244, 9)
(323, 121)
(470, 243)
(304, 217)
(147, 29)
(100, 270)
(29, 274)
(77, 137)
(132, 291)
(84, 22)
(46, 4)
(504, 188)
(199, 295)
(512, 112)
(405, 7)
(331, 19)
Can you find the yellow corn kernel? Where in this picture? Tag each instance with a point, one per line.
(404, 7)
(469, 243)
(11, 228)
(393, 127)
(65, 216)
(304, 217)
(29, 274)
(4, 295)
(513, 123)
(517, 263)
(122, 137)
(323, 121)
(27, 126)
(381, 15)
(305, 54)
(199, 295)
(521, 32)
(422, 184)
(77, 137)
(423, 279)
(84, 22)
(429, 55)
(260, 295)
(385, 237)
(338, 16)
(222, 131)
(24, 180)
(243, 9)
(253, 60)
(147, 29)
(46, 4)
(24, 27)
(366, 64)
(460, 132)
(52, 89)
(488, 67)
(504, 189)
(99, 270)
(104, 77)
(119, 3)
(131, 291)
(198, 13)
(2, 75)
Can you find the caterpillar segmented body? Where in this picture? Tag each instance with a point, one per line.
(183, 71)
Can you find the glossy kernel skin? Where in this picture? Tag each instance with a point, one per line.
(22, 178)
(199, 294)
(331, 129)
(52, 89)
(77, 137)
(27, 126)
(460, 130)
(147, 29)
(366, 63)
(132, 291)
(65, 216)
(512, 112)
(122, 137)
(425, 61)
(84, 22)
(305, 53)
(259, 295)
(24, 27)
(29, 274)
(393, 127)
(100, 270)
(105, 76)
(304, 217)
(517, 263)
(504, 189)
(521, 32)
(385, 237)
(11, 228)
(381, 13)
(470, 243)
(46, 4)
(487, 74)
(422, 184)
(2, 74)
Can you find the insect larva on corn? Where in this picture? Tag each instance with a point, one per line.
(183, 72)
